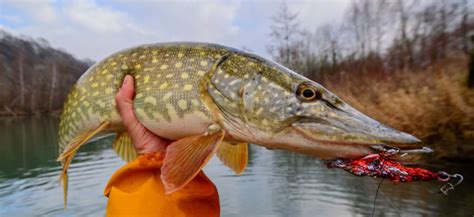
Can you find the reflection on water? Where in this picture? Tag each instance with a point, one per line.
(276, 183)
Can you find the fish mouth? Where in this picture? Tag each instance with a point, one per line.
(354, 131)
(356, 138)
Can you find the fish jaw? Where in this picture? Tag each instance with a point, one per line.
(291, 139)
(340, 132)
(340, 124)
(303, 143)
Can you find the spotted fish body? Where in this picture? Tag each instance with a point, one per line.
(180, 90)
(167, 78)
(206, 95)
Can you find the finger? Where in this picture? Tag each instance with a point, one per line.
(124, 101)
(128, 87)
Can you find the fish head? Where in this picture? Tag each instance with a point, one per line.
(323, 118)
(278, 108)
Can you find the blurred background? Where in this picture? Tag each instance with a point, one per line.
(407, 63)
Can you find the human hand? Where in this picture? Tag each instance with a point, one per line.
(143, 139)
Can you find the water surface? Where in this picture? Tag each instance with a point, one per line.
(275, 183)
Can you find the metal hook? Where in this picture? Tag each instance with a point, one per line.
(446, 177)
(459, 177)
(446, 187)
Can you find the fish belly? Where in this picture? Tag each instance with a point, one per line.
(169, 102)
(167, 86)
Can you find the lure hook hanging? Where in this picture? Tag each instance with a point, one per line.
(446, 177)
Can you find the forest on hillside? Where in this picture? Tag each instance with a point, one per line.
(35, 78)
(376, 37)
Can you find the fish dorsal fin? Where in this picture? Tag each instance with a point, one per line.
(186, 157)
(124, 147)
(68, 154)
(234, 156)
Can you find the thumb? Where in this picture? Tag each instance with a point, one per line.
(124, 101)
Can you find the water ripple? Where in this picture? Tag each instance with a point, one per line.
(276, 183)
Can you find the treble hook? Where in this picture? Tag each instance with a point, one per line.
(446, 177)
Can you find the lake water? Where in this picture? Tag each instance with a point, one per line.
(275, 183)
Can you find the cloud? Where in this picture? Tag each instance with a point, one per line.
(89, 15)
(95, 29)
(11, 18)
(209, 20)
(316, 13)
(39, 11)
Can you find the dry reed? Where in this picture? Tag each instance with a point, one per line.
(433, 104)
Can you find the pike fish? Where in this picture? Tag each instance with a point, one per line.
(215, 100)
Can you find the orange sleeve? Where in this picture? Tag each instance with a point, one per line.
(136, 190)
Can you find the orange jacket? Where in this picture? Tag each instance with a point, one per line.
(136, 190)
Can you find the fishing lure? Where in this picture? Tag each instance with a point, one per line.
(380, 165)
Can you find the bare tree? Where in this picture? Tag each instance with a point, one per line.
(464, 26)
(328, 43)
(287, 46)
(366, 24)
(53, 87)
(403, 13)
(22, 80)
(470, 78)
(355, 26)
(381, 22)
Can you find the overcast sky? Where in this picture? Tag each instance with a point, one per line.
(96, 28)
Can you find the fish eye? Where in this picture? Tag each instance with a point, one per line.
(307, 92)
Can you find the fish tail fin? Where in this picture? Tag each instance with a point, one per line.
(63, 179)
(68, 153)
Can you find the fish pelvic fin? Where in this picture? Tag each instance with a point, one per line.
(234, 156)
(68, 154)
(186, 157)
(124, 147)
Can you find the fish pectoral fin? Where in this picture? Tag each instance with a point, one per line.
(186, 157)
(124, 147)
(68, 154)
(234, 156)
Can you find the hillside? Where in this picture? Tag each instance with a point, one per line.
(35, 78)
